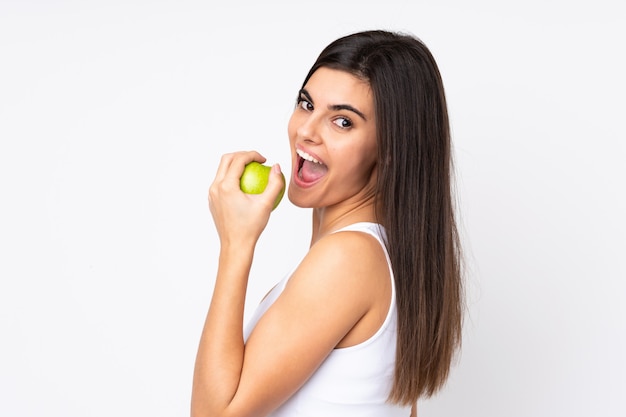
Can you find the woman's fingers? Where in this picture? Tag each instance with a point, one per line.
(239, 162)
(225, 161)
(232, 164)
(230, 169)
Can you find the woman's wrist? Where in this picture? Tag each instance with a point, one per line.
(234, 250)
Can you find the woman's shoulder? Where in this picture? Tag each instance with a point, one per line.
(348, 244)
(349, 274)
(345, 260)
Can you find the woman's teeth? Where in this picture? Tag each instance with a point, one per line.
(308, 157)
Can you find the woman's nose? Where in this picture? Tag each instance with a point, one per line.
(309, 129)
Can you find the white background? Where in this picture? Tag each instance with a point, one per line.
(113, 116)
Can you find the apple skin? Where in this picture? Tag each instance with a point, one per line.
(254, 180)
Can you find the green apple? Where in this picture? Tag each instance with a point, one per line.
(254, 180)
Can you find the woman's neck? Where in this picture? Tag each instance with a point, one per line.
(329, 219)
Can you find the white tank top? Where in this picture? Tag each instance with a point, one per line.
(354, 381)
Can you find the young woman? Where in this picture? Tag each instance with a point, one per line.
(370, 320)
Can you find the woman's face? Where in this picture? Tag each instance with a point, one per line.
(332, 133)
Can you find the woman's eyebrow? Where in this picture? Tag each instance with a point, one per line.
(334, 107)
(306, 95)
(347, 107)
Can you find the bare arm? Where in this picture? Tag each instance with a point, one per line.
(290, 341)
(218, 365)
(239, 222)
(233, 379)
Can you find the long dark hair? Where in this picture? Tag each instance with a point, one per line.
(414, 200)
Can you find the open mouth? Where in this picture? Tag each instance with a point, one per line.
(309, 168)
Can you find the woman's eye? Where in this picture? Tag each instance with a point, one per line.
(343, 122)
(305, 105)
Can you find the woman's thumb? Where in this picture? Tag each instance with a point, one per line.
(276, 184)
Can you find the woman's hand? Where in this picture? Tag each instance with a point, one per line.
(239, 217)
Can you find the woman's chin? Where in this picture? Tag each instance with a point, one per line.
(295, 196)
(300, 197)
